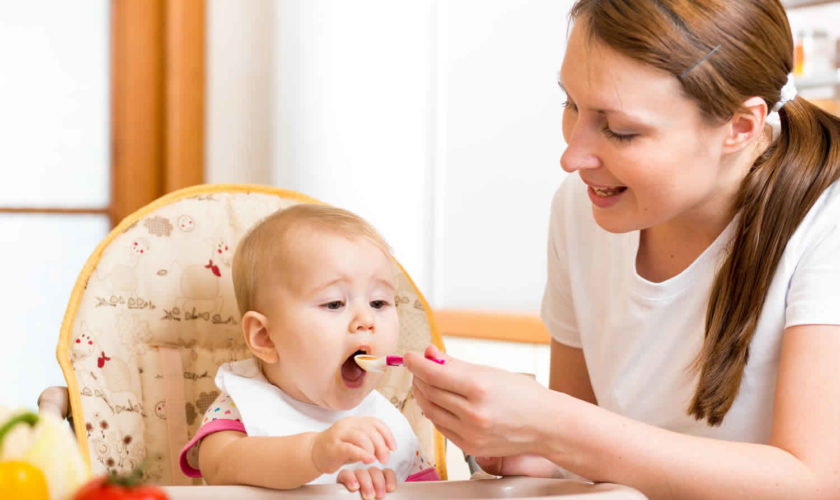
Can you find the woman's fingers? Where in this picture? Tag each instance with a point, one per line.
(452, 436)
(452, 376)
(521, 465)
(440, 406)
(491, 465)
(433, 352)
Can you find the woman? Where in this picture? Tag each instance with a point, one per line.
(693, 292)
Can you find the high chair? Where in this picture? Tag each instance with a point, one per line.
(153, 314)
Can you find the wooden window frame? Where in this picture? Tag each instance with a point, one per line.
(490, 325)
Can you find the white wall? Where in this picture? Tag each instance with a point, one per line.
(439, 121)
(239, 121)
(501, 144)
(354, 111)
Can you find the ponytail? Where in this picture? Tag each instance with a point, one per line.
(781, 187)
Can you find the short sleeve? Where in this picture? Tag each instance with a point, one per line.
(557, 310)
(221, 415)
(814, 293)
(422, 469)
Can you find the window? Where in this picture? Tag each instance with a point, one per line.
(75, 82)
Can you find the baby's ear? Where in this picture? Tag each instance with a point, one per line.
(255, 329)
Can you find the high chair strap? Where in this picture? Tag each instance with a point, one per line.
(176, 418)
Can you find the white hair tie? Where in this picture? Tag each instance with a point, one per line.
(787, 94)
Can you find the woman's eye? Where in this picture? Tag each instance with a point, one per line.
(379, 304)
(334, 305)
(567, 104)
(618, 137)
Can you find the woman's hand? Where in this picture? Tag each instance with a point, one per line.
(484, 411)
(524, 465)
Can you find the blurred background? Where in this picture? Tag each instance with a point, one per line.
(437, 120)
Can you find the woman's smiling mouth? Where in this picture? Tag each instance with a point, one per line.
(604, 196)
(607, 191)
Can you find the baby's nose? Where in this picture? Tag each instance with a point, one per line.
(363, 320)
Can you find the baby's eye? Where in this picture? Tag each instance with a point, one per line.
(379, 304)
(334, 305)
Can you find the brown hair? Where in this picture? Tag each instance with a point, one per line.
(754, 58)
(262, 247)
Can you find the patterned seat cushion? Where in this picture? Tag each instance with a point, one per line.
(155, 303)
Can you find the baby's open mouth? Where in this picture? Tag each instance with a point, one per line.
(351, 373)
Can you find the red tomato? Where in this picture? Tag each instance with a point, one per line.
(99, 488)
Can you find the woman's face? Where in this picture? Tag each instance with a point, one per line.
(642, 147)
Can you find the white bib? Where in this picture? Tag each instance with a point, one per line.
(268, 411)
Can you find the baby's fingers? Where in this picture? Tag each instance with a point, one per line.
(390, 479)
(353, 453)
(377, 479)
(366, 488)
(380, 446)
(347, 477)
(386, 434)
(363, 440)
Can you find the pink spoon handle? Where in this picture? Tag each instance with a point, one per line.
(398, 360)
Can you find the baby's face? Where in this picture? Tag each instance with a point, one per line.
(334, 299)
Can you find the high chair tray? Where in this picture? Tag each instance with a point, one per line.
(508, 487)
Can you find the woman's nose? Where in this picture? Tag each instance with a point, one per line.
(579, 153)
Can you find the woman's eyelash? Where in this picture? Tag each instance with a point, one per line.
(618, 137)
(567, 104)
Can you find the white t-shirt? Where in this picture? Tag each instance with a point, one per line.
(640, 338)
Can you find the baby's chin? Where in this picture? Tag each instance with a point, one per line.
(338, 396)
(344, 401)
(346, 398)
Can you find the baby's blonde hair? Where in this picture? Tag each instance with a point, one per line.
(253, 258)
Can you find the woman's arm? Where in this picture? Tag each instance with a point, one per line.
(802, 459)
(491, 412)
(230, 457)
(568, 372)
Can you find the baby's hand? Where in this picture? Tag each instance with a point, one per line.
(371, 482)
(352, 439)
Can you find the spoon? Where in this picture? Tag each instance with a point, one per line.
(370, 363)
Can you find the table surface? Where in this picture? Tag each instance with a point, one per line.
(507, 487)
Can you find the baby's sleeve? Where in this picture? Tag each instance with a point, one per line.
(222, 415)
(422, 469)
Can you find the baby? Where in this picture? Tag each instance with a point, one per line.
(315, 285)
